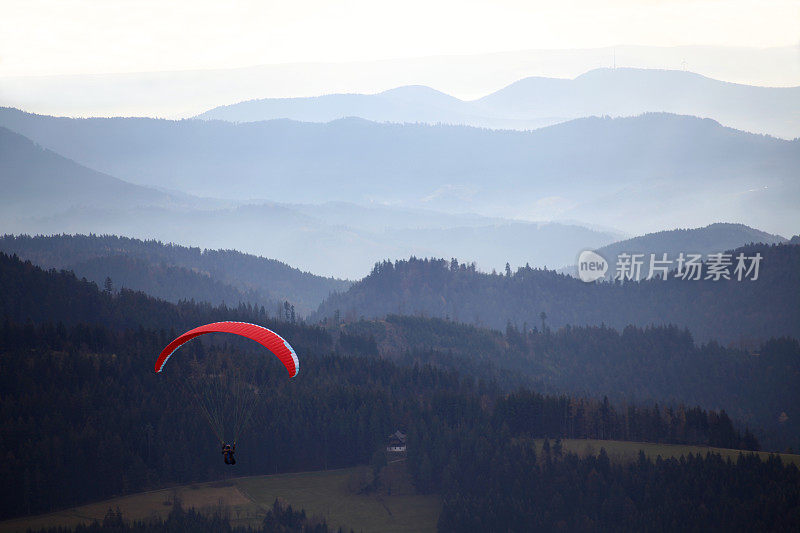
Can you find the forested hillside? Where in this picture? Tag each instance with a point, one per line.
(730, 311)
(85, 417)
(713, 238)
(230, 276)
(659, 364)
(717, 237)
(493, 486)
(31, 294)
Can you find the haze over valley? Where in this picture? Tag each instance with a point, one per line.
(383, 190)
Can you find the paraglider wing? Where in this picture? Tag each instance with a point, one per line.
(267, 338)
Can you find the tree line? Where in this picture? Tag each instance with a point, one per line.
(502, 485)
(280, 518)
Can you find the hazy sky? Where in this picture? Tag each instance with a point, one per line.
(40, 37)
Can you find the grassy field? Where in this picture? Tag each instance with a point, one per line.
(629, 451)
(329, 494)
(323, 494)
(326, 495)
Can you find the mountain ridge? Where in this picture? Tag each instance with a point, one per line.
(56, 182)
(539, 101)
(368, 232)
(719, 237)
(624, 163)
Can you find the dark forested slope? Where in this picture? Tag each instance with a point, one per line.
(729, 311)
(231, 276)
(84, 416)
(29, 293)
(661, 364)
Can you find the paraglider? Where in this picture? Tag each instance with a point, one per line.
(266, 337)
(220, 392)
(227, 453)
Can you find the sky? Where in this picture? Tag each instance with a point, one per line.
(54, 37)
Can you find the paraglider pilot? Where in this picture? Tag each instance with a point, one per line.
(227, 453)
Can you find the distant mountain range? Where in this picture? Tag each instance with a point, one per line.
(410, 104)
(34, 179)
(638, 174)
(535, 102)
(185, 93)
(49, 194)
(316, 245)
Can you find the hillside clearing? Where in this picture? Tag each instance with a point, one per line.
(323, 494)
(628, 451)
